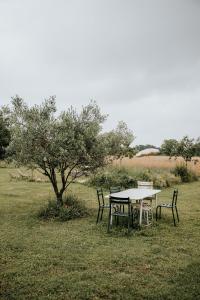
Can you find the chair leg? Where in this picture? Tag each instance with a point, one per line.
(173, 217)
(101, 213)
(109, 219)
(177, 214)
(98, 216)
(146, 216)
(129, 215)
(157, 213)
(132, 219)
(160, 213)
(132, 212)
(128, 223)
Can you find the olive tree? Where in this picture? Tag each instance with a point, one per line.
(197, 147)
(119, 142)
(186, 149)
(169, 147)
(62, 146)
(4, 133)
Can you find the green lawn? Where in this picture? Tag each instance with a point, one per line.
(79, 260)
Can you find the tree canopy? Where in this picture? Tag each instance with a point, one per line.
(139, 148)
(4, 133)
(63, 145)
(169, 147)
(185, 148)
(119, 140)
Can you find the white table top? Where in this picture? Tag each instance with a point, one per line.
(135, 194)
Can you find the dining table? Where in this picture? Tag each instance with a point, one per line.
(137, 195)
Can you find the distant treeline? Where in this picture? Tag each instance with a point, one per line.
(143, 147)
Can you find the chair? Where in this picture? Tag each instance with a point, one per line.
(145, 184)
(101, 203)
(147, 210)
(117, 202)
(114, 189)
(172, 206)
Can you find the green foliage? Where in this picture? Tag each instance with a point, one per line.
(112, 177)
(139, 148)
(118, 141)
(4, 134)
(197, 147)
(72, 208)
(65, 145)
(186, 148)
(59, 145)
(161, 178)
(127, 178)
(165, 180)
(185, 174)
(169, 147)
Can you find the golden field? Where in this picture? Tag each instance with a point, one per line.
(159, 162)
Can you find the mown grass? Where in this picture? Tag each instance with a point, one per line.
(79, 260)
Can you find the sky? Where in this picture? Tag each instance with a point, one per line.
(138, 59)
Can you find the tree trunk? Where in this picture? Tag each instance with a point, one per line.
(59, 199)
(186, 163)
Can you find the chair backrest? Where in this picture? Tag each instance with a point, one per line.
(100, 196)
(118, 200)
(145, 184)
(175, 197)
(114, 189)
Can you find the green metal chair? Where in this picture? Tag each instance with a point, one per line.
(101, 203)
(117, 203)
(114, 189)
(172, 206)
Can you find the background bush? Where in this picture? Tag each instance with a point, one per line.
(113, 177)
(184, 173)
(71, 209)
(127, 178)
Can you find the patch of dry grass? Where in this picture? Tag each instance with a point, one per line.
(158, 162)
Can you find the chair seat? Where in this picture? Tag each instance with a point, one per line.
(166, 205)
(105, 206)
(145, 205)
(120, 214)
(146, 208)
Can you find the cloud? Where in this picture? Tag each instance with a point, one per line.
(137, 55)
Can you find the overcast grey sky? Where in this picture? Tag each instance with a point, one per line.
(139, 59)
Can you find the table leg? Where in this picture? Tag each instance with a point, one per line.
(111, 217)
(141, 205)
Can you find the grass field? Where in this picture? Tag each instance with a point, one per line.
(79, 260)
(159, 162)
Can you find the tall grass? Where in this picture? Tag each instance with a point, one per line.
(128, 177)
(156, 162)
